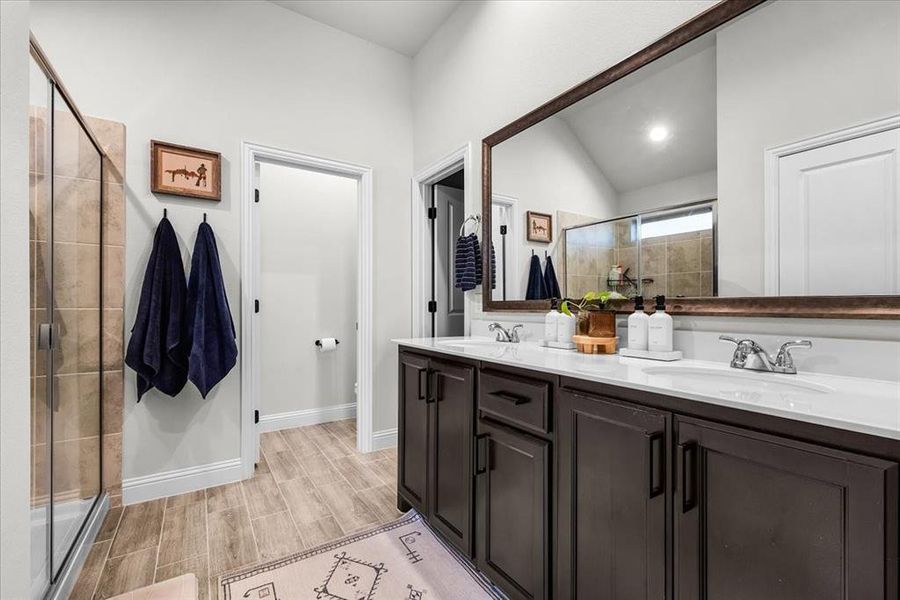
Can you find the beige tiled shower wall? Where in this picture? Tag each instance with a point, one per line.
(678, 265)
(78, 299)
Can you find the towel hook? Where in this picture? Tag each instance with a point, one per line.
(204, 217)
(165, 213)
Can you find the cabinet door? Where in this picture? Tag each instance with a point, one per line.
(450, 475)
(763, 517)
(512, 487)
(412, 429)
(612, 499)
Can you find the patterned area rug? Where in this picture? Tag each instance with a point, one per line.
(403, 560)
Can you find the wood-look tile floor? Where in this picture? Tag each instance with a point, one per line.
(311, 486)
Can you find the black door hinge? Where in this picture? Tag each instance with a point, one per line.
(256, 306)
(432, 306)
(256, 195)
(256, 416)
(432, 212)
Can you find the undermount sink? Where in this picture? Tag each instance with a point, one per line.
(734, 380)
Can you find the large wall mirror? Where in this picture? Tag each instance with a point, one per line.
(746, 163)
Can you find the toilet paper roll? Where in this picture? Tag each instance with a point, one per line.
(327, 344)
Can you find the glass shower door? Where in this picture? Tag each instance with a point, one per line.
(39, 258)
(76, 365)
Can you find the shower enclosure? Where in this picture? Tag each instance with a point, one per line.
(66, 205)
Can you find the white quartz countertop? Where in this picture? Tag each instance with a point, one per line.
(862, 405)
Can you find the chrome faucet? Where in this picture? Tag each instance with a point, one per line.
(504, 335)
(751, 356)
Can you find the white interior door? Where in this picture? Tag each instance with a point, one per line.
(449, 319)
(503, 214)
(838, 218)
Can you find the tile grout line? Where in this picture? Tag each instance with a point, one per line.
(106, 557)
(312, 480)
(283, 497)
(162, 526)
(250, 518)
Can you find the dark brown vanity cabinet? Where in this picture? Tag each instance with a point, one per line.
(435, 437)
(578, 493)
(412, 431)
(758, 516)
(512, 472)
(613, 499)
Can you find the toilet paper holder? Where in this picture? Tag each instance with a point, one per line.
(319, 342)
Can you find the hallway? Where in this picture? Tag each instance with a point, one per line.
(311, 486)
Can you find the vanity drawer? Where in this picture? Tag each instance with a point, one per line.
(517, 400)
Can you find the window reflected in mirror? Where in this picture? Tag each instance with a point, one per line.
(669, 252)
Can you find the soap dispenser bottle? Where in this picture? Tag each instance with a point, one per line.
(659, 337)
(638, 326)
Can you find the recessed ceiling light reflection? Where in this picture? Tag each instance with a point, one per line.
(658, 133)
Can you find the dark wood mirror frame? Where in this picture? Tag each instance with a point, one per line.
(833, 307)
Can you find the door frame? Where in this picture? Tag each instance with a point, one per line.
(422, 181)
(771, 204)
(252, 153)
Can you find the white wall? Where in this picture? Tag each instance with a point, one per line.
(789, 88)
(491, 62)
(692, 188)
(308, 285)
(211, 74)
(547, 169)
(15, 399)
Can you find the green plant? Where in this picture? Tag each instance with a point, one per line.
(591, 300)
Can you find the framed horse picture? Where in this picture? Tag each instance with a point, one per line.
(539, 227)
(185, 171)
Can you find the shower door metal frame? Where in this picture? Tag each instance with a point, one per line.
(57, 572)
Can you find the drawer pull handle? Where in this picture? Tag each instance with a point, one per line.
(657, 463)
(511, 398)
(423, 383)
(480, 453)
(688, 476)
(435, 395)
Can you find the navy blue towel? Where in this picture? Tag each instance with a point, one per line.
(213, 350)
(550, 280)
(467, 262)
(158, 347)
(537, 289)
(493, 268)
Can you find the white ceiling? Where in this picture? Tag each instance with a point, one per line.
(401, 25)
(677, 92)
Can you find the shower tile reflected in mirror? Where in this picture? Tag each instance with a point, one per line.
(669, 252)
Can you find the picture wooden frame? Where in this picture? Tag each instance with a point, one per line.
(185, 171)
(539, 227)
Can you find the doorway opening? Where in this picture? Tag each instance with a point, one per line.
(307, 278)
(441, 202)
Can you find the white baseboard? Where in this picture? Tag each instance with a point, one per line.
(309, 416)
(386, 438)
(180, 481)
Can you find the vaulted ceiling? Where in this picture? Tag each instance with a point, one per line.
(401, 25)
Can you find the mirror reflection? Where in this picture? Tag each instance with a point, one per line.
(760, 159)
